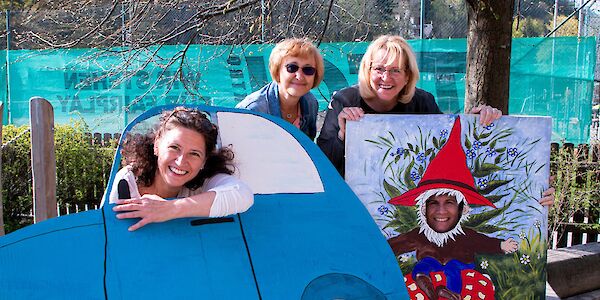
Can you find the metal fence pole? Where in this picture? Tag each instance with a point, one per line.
(421, 20)
(1, 199)
(262, 21)
(7, 66)
(43, 159)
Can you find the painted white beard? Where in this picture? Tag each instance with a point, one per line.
(439, 238)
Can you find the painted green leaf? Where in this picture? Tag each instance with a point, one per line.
(407, 180)
(467, 143)
(485, 169)
(436, 144)
(481, 219)
(388, 142)
(485, 228)
(485, 135)
(410, 146)
(498, 158)
(391, 190)
(404, 219)
(496, 198)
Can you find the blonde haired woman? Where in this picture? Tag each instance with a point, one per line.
(296, 67)
(387, 80)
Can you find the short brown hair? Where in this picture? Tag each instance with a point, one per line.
(296, 47)
(397, 49)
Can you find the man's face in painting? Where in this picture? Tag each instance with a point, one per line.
(443, 212)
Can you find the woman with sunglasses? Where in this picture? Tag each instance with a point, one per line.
(296, 67)
(387, 79)
(178, 159)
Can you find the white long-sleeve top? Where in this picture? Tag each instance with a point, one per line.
(232, 195)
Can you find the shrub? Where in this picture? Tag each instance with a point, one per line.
(82, 169)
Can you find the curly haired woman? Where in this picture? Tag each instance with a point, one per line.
(178, 159)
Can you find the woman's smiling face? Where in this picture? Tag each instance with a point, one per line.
(387, 78)
(442, 212)
(181, 155)
(296, 84)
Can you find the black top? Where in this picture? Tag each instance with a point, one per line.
(422, 103)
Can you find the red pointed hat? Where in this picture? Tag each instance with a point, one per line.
(448, 169)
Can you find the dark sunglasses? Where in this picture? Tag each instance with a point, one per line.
(293, 68)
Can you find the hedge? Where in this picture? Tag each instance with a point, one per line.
(82, 169)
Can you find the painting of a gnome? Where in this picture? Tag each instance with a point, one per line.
(457, 200)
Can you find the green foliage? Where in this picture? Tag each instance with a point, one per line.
(16, 177)
(448, 12)
(407, 263)
(403, 219)
(16, 4)
(524, 268)
(577, 183)
(538, 26)
(529, 27)
(569, 28)
(82, 170)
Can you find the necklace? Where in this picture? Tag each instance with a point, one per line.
(290, 116)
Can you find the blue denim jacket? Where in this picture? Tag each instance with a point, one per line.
(266, 100)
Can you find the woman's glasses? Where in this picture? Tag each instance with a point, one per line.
(394, 72)
(293, 68)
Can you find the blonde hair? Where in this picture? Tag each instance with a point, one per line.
(396, 49)
(299, 48)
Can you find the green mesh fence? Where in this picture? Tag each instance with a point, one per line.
(108, 88)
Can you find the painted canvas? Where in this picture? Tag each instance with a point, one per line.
(456, 200)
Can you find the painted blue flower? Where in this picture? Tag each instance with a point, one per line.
(421, 156)
(414, 176)
(489, 127)
(443, 133)
(477, 145)
(471, 154)
(399, 151)
(512, 152)
(383, 210)
(482, 183)
(490, 152)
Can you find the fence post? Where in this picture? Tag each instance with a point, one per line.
(1, 199)
(43, 159)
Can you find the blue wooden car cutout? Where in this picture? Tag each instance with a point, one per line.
(306, 237)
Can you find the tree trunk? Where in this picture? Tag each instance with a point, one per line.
(488, 53)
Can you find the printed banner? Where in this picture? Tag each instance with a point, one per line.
(549, 77)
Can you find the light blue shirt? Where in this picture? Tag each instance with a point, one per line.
(266, 100)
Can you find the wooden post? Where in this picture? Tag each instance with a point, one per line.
(43, 159)
(1, 199)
